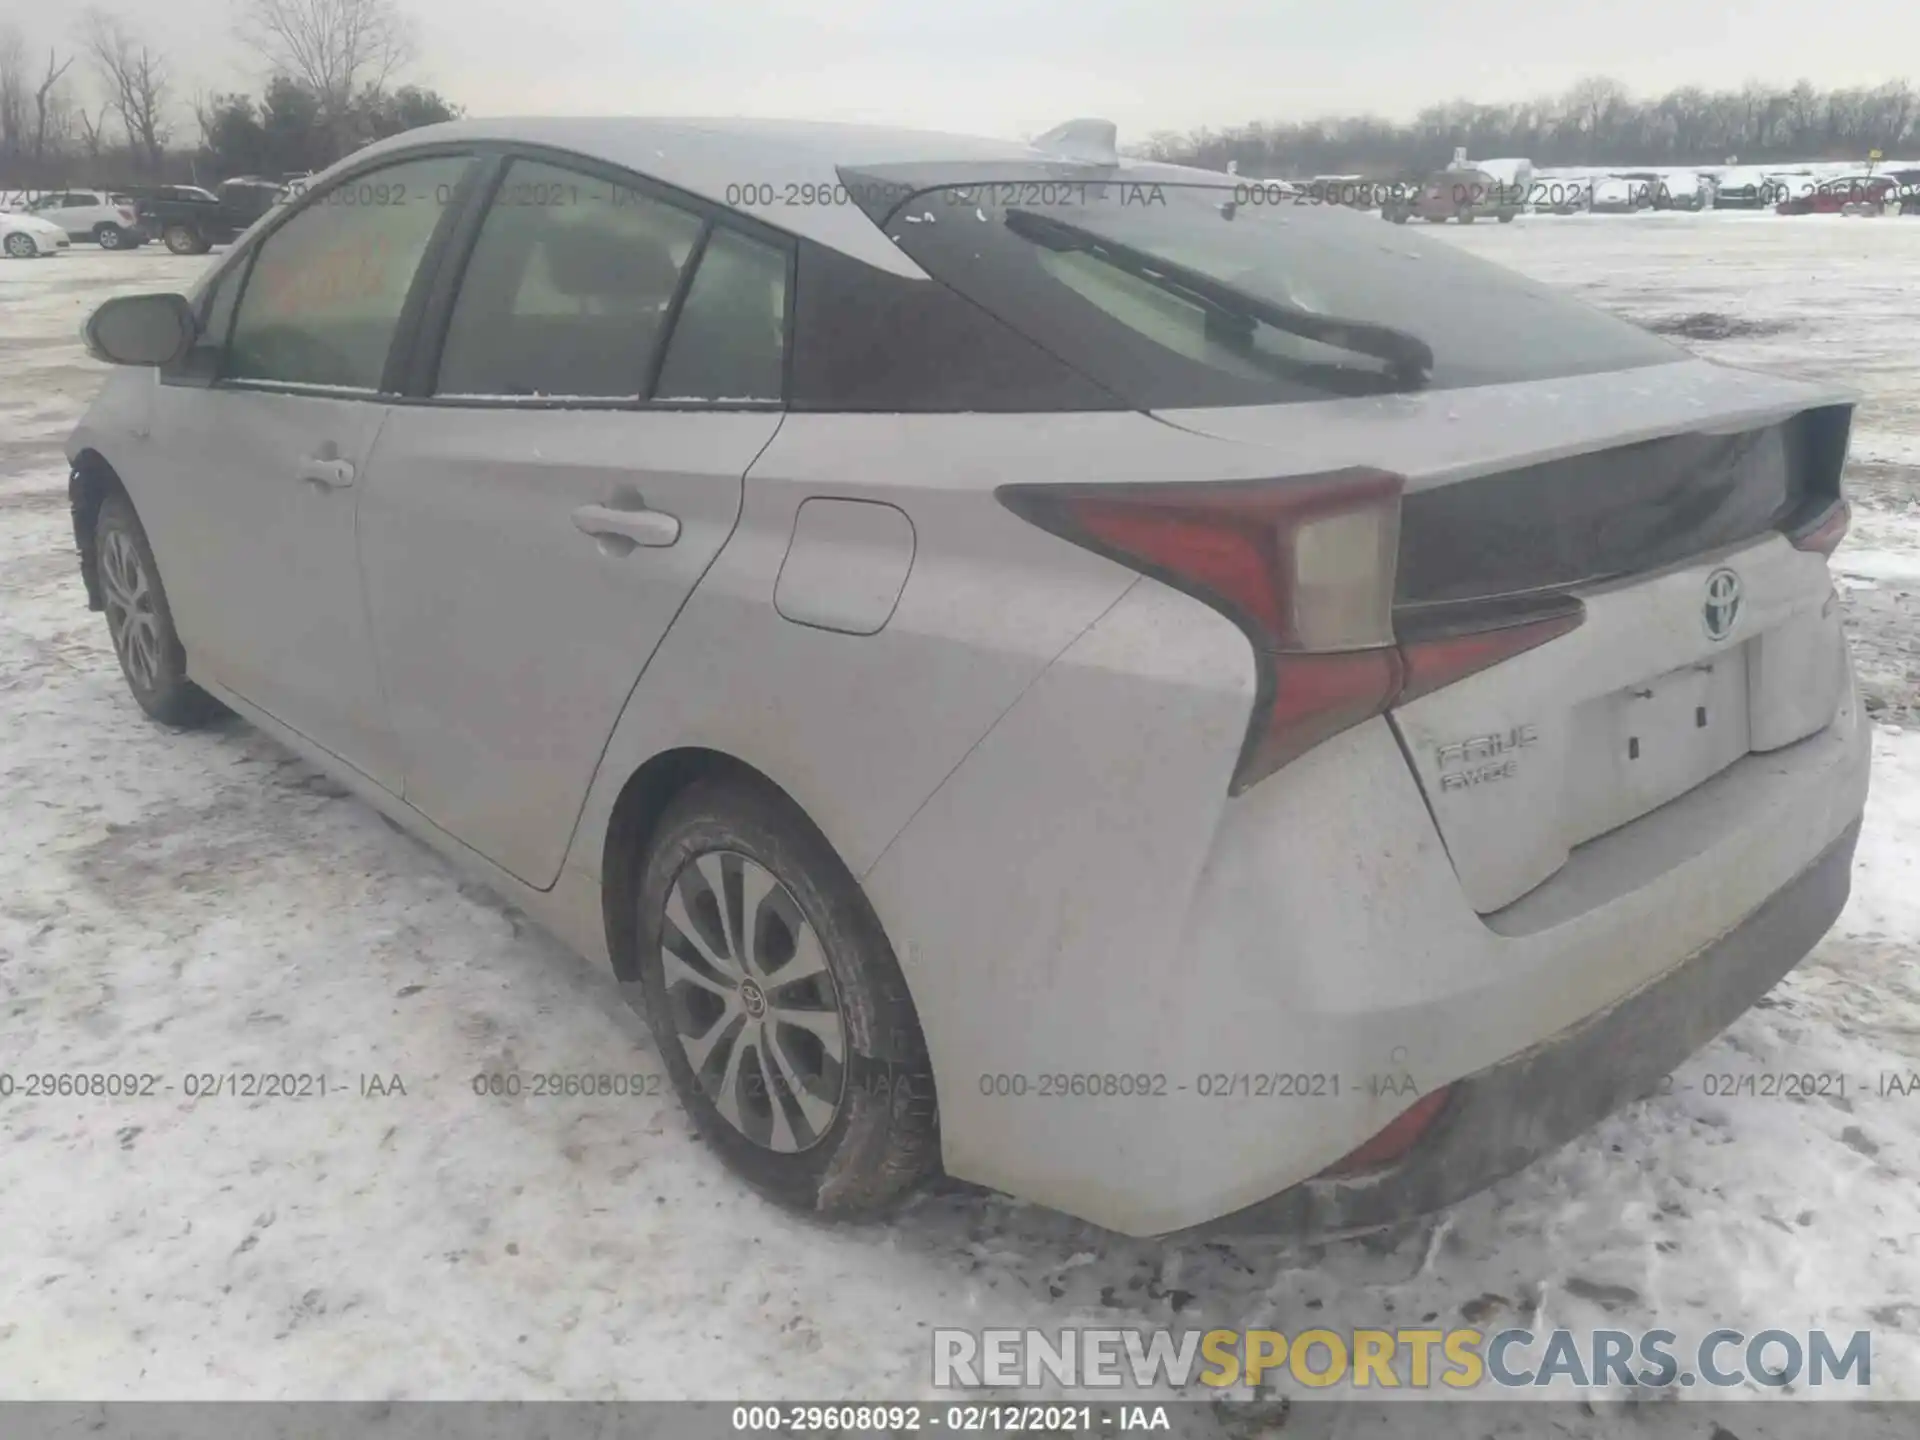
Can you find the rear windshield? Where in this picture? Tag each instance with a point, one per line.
(1182, 295)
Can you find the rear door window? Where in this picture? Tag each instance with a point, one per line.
(729, 343)
(322, 303)
(568, 289)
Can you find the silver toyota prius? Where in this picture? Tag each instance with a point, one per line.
(1121, 683)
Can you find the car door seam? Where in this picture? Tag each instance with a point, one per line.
(366, 458)
(606, 743)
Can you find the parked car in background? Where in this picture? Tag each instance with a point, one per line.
(192, 221)
(1682, 190)
(1560, 194)
(1743, 189)
(1842, 195)
(939, 666)
(1463, 195)
(145, 196)
(1906, 194)
(108, 220)
(1615, 195)
(23, 236)
(1646, 186)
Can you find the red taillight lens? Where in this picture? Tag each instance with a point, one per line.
(1301, 564)
(1395, 1140)
(1305, 567)
(1313, 698)
(1438, 655)
(1827, 530)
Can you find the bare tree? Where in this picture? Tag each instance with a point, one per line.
(90, 125)
(135, 76)
(335, 47)
(44, 101)
(1591, 104)
(13, 90)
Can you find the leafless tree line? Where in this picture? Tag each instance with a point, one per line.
(124, 97)
(1596, 122)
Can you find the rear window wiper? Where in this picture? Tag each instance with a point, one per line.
(1229, 310)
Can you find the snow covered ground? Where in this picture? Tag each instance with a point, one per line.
(176, 904)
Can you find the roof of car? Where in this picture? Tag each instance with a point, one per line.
(783, 172)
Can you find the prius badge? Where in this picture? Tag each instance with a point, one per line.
(1722, 610)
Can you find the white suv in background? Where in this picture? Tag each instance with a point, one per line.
(110, 221)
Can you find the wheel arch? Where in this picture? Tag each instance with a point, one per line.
(635, 817)
(91, 481)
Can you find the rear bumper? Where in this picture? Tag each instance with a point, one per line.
(1157, 1009)
(1503, 1118)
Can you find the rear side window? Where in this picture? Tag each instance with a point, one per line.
(324, 297)
(1174, 295)
(730, 340)
(567, 290)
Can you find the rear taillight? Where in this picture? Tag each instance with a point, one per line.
(1305, 567)
(1393, 1141)
(126, 215)
(1445, 643)
(1826, 531)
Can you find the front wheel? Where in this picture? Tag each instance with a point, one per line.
(141, 622)
(778, 1006)
(21, 247)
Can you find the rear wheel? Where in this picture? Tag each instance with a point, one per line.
(109, 236)
(184, 240)
(141, 622)
(778, 1006)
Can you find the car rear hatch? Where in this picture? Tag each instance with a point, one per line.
(1643, 518)
(1461, 498)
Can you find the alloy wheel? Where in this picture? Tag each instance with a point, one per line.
(21, 247)
(131, 619)
(754, 1004)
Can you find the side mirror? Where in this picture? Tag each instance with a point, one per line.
(141, 330)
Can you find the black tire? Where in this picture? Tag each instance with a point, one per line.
(185, 240)
(111, 237)
(1467, 217)
(1506, 217)
(883, 1137)
(166, 693)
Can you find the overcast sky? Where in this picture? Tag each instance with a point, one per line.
(999, 67)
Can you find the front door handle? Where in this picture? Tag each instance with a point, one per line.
(327, 473)
(636, 527)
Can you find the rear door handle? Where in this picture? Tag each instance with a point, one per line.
(331, 474)
(636, 527)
